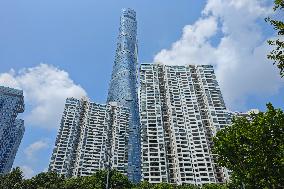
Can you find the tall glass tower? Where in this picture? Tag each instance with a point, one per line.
(123, 86)
(11, 128)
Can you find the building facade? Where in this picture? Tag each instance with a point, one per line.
(181, 109)
(245, 114)
(123, 86)
(11, 128)
(87, 134)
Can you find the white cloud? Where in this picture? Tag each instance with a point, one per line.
(35, 147)
(45, 88)
(193, 43)
(239, 56)
(31, 159)
(27, 171)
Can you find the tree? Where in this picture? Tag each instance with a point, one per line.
(277, 54)
(163, 185)
(98, 181)
(187, 186)
(119, 181)
(13, 179)
(143, 185)
(214, 186)
(253, 148)
(50, 180)
(73, 183)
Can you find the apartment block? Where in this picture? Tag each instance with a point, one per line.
(181, 109)
(245, 114)
(11, 128)
(91, 137)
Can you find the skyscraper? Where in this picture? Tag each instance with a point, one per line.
(181, 109)
(11, 129)
(87, 134)
(123, 86)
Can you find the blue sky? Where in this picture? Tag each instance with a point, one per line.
(54, 49)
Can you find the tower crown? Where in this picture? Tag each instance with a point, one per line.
(128, 12)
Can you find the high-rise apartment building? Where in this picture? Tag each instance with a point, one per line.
(11, 128)
(91, 137)
(181, 109)
(245, 114)
(123, 86)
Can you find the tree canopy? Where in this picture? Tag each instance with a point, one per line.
(277, 54)
(51, 180)
(253, 148)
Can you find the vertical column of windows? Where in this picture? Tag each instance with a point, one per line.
(65, 146)
(192, 163)
(91, 147)
(120, 128)
(152, 131)
(215, 115)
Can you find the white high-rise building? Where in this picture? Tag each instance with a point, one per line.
(181, 109)
(245, 114)
(91, 137)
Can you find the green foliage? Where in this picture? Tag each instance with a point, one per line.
(98, 181)
(214, 186)
(187, 186)
(254, 149)
(277, 54)
(51, 180)
(147, 185)
(44, 180)
(119, 181)
(163, 186)
(73, 183)
(12, 180)
(143, 185)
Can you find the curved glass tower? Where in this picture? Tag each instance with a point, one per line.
(123, 86)
(11, 128)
